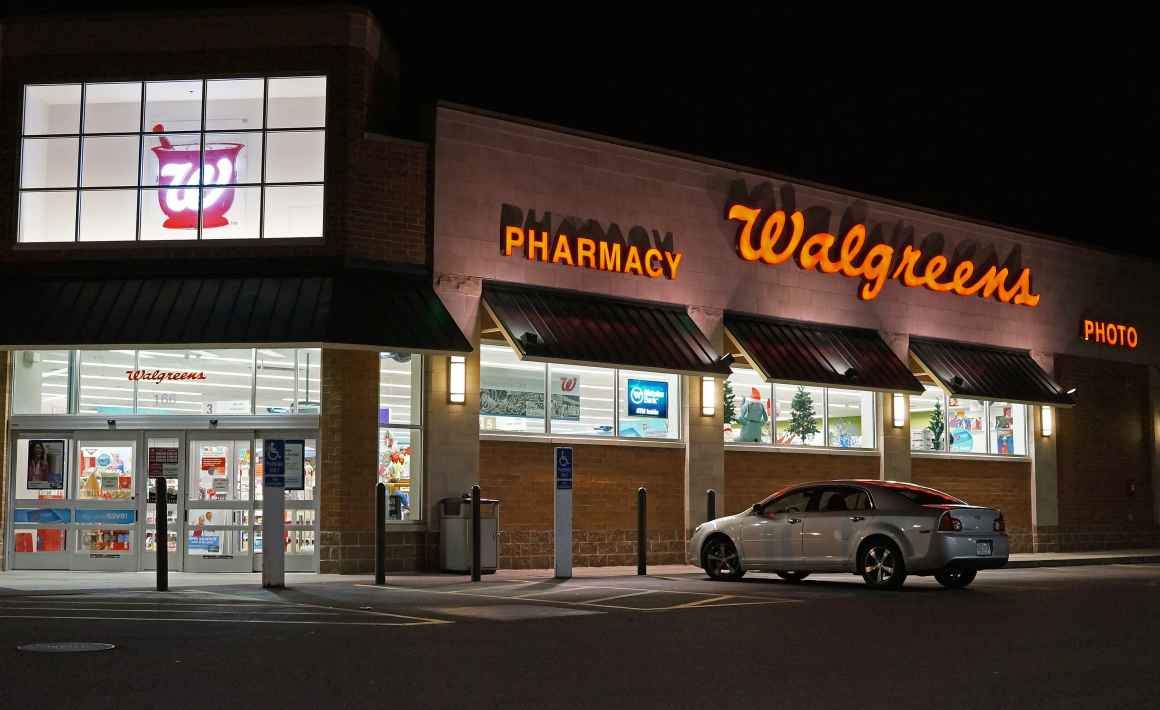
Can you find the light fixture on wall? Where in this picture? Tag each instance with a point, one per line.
(1046, 419)
(898, 409)
(456, 379)
(708, 396)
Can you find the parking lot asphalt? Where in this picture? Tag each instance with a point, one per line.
(1024, 638)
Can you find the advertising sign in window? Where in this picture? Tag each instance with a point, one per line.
(46, 464)
(648, 398)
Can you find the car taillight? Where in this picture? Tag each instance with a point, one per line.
(1000, 523)
(949, 523)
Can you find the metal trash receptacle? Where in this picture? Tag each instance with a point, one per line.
(455, 534)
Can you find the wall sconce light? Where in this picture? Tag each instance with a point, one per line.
(898, 409)
(708, 396)
(456, 379)
(1046, 419)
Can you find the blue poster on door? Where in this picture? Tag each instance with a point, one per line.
(42, 515)
(205, 544)
(106, 517)
(648, 398)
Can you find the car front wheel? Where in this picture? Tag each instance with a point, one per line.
(955, 577)
(721, 560)
(881, 565)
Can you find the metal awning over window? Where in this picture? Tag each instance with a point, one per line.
(813, 354)
(196, 304)
(550, 325)
(987, 372)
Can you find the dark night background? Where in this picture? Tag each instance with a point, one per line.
(1039, 122)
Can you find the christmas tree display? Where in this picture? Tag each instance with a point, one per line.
(937, 426)
(730, 408)
(802, 421)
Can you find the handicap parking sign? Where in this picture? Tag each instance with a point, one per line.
(563, 460)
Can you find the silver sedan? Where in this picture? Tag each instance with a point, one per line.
(881, 530)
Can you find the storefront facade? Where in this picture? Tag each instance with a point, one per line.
(205, 246)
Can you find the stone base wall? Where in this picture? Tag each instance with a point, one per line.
(533, 549)
(1096, 538)
(346, 552)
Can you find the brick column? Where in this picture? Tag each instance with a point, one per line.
(348, 445)
(704, 441)
(451, 431)
(895, 441)
(1044, 472)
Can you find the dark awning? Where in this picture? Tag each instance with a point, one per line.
(814, 354)
(988, 372)
(550, 325)
(197, 304)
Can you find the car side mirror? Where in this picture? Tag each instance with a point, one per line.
(756, 509)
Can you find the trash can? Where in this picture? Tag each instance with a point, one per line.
(455, 535)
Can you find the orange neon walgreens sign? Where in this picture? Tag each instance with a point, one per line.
(880, 262)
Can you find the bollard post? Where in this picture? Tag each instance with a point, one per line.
(711, 505)
(161, 532)
(641, 531)
(381, 534)
(475, 534)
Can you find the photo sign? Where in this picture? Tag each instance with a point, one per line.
(648, 398)
(46, 464)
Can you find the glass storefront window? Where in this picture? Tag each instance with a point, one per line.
(220, 470)
(41, 468)
(105, 470)
(162, 382)
(580, 399)
(41, 381)
(850, 419)
(928, 420)
(799, 413)
(511, 394)
(400, 449)
(254, 169)
(966, 426)
(748, 402)
(942, 423)
(1008, 425)
(650, 405)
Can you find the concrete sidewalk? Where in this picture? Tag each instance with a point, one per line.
(55, 581)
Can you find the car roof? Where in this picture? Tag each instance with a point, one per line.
(871, 483)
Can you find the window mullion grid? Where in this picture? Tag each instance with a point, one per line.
(262, 176)
(616, 403)
(201, 159)
(987, 425)
(80, 166)
(547, 400)
(140, 160)
(946, 434)
(136, 382)
(826, 416)
(254, 381)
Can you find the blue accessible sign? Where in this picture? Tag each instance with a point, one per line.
(274, 464)
(563, 459)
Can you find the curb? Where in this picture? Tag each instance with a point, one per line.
(1084, 561)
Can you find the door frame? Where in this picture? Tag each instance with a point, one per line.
(175, 558)
(238, 561)
(96, 561)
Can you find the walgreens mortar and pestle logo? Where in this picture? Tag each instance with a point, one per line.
(179, 169)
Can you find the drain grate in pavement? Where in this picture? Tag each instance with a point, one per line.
(512, 612)
(65, 647)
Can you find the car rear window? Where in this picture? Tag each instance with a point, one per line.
(922, 497)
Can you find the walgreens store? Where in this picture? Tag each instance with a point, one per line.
(689, 325)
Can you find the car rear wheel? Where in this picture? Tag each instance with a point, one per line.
(793, 576)
(881, 565)
(721, 560)
(954, 577)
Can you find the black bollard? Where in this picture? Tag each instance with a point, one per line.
(711, 505)
(381, 534)
(161, 534)
(475, 534)
(641, 531)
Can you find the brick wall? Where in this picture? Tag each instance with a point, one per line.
(996, 483)
(348, 439)
(1103, 448)
(605, 480)
(387, 218)
(750, 476)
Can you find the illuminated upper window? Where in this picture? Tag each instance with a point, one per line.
(173, 160)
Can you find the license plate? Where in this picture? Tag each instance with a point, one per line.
(983, 548)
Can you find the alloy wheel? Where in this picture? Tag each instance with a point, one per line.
(721, 559)
(879, 563)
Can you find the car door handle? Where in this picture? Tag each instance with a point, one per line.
(856, 518)
(791, 521)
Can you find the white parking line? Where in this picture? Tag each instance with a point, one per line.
(234, 621)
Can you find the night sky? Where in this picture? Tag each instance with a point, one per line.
(1039, 123)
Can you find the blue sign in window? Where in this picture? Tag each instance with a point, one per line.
(106, 517)
(648, 398)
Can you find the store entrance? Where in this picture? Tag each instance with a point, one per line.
(88, 500)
